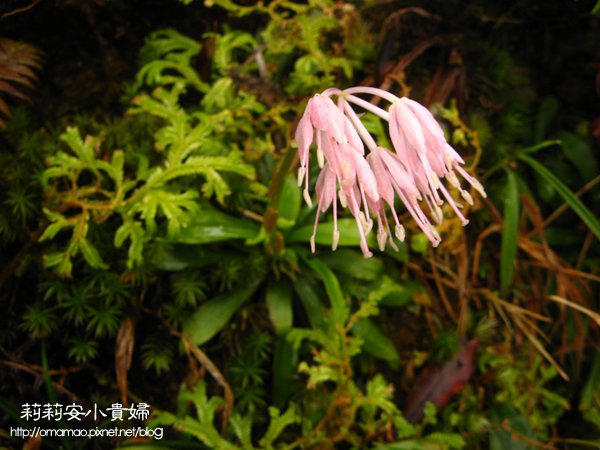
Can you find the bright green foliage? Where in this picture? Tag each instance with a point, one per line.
(201, 423)
(167, 59)
(142, 200)
(539, 405)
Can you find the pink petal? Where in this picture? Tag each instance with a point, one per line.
(304, 137)
(325, 116)
(325, 188)
(384, 185)
(403, 121)
(365, 175)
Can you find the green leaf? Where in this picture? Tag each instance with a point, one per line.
(537, 147)
(349, 235)
(117, 164)
(213, 315)
(135, 232)
(167, 58)
(60, 261)
(91, 255)
(289, 203)
(59, 222)
(211, 225)
(339, 308)
(228, 43)
(590, 394)
(353, 263)
(311, 297)
(285, 360)
(510, 230)
(242, 428)
(376, 343)
(83, 149)
(388, 292)
(577, 205)
(278, 423)
(580, 154)
(279, 303)
(219, 94)
(500, 438)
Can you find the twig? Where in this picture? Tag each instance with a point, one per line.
(205, 361)
(32, 371)
(593, 315)
(19, 10)
(440, 289)
(521, 437)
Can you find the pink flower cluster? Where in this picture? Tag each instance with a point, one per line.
(366, 182)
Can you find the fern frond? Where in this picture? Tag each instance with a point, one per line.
(17, 61)
(167, 58)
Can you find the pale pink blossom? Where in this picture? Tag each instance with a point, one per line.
(368, 185)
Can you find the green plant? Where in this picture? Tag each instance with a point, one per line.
(17, 61)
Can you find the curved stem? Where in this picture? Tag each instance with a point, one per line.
(358, 125)
(372, 91)
(368, 106)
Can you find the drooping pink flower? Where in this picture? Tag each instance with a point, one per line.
(368, 185)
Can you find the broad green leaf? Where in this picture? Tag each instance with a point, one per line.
(349, 235)
(279, 303)
(376, 343)
(510, 229)
(213, 315)
(580, 209)
(285, 360)
(580, 154)
(311, 297)
(353, 263)
(289, 203)
(211, 225)
(339, 308)
(400, 255)
(174, 257)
